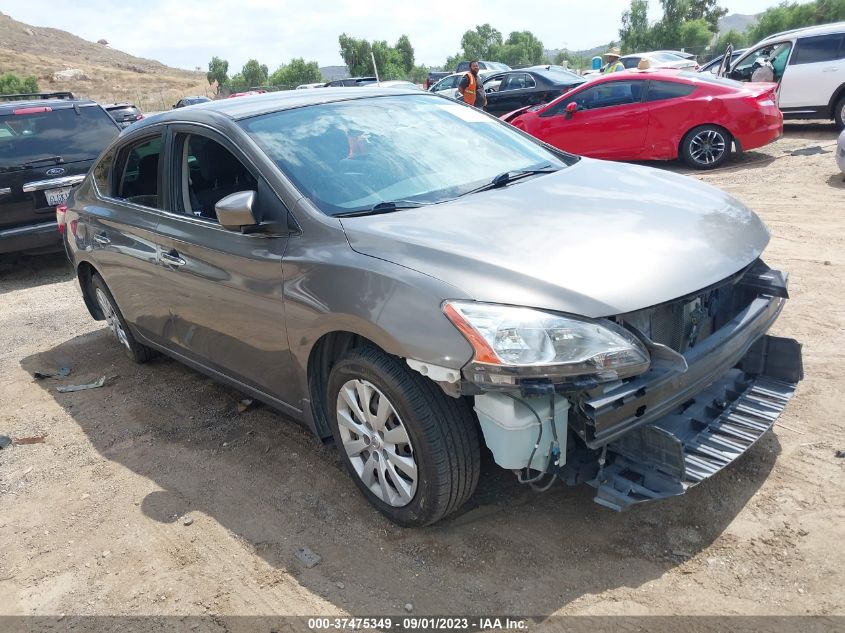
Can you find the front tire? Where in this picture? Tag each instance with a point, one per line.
(706, 147)
(114, 319)
(839, 113)
(412, 450)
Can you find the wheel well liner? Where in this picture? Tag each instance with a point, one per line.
(837, 95)
(84, 272)
(324, 354)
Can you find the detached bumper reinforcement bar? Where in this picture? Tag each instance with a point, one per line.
(696, 441)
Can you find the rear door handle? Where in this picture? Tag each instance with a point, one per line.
(172, 259)
(101, 238)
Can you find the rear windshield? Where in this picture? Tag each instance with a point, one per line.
(66, 135)
(710, 79)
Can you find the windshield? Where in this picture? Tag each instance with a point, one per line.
(73, 134)
(354, 154)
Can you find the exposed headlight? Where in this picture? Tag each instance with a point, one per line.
(559, 346)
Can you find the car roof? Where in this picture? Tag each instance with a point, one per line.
(254, 105)
(55, 104)
(822, 29)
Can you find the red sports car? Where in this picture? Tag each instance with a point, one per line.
(657, 115)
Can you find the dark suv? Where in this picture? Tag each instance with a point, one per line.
(47, 144)
(124, 114)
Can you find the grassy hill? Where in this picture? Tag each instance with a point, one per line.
(106, 74)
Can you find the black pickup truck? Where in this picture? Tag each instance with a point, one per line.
(48, 141)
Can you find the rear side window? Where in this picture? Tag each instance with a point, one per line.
(139, 180)
(73, 134)
(661, 90)
(610, 94)
(102, 170)
(821, 48)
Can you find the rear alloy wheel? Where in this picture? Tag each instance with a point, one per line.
(839, 113)
(706, 147)
(412, 450)
(114, 319)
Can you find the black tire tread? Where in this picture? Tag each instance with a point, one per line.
(839, 113)
(447, 422)
(684, 150)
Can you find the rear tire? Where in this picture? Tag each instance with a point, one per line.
(412, 450)
(839, 113)
(706, 146)
(114, 319)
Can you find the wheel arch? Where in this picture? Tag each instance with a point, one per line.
(323, 355)
(838, 94)
(84, 273)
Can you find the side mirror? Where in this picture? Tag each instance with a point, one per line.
(571, 108)
(235, 210)
(173, 107)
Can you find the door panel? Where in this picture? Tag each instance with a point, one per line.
(598, 130)
(225, 301)
(226, 308)
(121, 234)
(814, 73)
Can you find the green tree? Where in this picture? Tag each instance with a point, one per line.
(708, 10)
(482, 43)
(394, 62)
(521, 48)
(636, 34)
(694, 35)
(254, 74)
(732, 37)
(296, 72)
(12, 84)
(237, 82)
(792, 15)
(406, 53)
(356, 55)
(218, 70)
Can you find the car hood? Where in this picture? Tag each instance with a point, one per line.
(594, 239)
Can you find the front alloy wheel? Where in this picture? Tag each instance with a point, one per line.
(706, 147)
(376, 442)
(412, 450)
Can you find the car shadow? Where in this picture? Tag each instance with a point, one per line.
(837, 181)
(19, 271)
(273, 485)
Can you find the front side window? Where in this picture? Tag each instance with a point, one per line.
(210, 172)
(822, 48)
(630, 62)
(139, 181)
(517, 81)
(352, 155)
(609, 94)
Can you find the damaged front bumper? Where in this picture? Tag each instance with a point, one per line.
(670, 428)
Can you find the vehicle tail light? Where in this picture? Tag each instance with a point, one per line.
(61, 220)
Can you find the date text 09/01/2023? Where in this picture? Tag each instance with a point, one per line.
(426, 623)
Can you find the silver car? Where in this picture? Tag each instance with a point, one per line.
(413, 279)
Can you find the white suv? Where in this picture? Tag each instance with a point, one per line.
(809, 65)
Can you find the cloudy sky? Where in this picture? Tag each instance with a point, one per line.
(188, 32)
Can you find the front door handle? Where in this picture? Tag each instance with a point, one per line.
(172, 259)
(101, 238)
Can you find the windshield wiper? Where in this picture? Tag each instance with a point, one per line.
(507, 177)
(387, 206)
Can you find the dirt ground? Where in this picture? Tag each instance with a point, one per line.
(93, 518)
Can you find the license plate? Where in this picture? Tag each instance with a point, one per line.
(56, 197)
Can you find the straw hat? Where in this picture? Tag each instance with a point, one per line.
(644, 64)
(613, 52)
